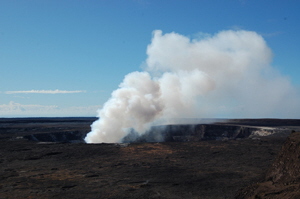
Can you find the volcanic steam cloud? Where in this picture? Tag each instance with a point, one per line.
(226, 75)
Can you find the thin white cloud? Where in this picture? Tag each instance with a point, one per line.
(21, 96)
(99, 91)
(272, 34)
(236, 27)
(45, 92)
(13, 109)
(243, 2)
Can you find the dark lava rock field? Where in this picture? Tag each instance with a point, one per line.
(65, 167)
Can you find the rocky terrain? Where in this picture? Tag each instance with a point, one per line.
(219, 167)
(283, 177)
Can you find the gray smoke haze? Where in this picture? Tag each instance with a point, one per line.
(226, 75)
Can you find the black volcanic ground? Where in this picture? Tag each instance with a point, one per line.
(195, 169)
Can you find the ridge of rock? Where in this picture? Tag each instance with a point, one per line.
(282, 180)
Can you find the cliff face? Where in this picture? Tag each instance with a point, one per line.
(283, 178)
(286, 168)
(168, 133)
(198, 132)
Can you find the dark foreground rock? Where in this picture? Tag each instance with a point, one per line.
(209, 169)
(195, 169)
(282, 180)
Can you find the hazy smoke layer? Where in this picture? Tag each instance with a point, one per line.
(226, 75)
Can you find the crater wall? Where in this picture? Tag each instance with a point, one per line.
(198, 132)
(171, 133)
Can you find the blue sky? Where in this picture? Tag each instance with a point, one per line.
(64, 58)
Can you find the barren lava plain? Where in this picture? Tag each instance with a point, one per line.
(194, 169)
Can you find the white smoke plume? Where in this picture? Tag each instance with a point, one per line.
(226, 75)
